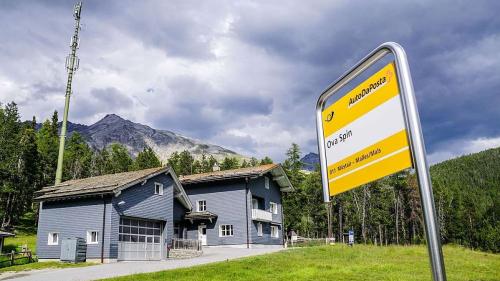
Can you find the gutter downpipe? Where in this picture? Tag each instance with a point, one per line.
(246, 209)
(103, 228)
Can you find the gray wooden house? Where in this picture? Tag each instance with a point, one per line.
(135, 215)
(237, 208)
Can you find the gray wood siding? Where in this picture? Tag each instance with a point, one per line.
(73, 219)
(179, 211)
(227, 200)
(141, 202)
(273, 194)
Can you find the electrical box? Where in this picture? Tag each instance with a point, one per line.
(73, 250)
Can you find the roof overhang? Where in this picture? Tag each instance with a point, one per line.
(179, 192)
(281, 178)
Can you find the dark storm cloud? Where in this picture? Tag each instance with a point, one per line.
(245, 105)
(451, 106)
(227, 70)
(100, 102)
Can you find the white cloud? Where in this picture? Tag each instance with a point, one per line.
(462, 147)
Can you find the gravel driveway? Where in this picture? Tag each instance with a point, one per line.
(126, 268)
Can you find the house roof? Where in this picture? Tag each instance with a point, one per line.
(275, 170)
(111, 184)
(6, 234)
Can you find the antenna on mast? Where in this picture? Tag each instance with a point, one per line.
(72, 63)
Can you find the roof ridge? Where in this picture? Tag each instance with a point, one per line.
(228, 171)
(73, 181)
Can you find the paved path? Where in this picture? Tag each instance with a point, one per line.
(127, 268)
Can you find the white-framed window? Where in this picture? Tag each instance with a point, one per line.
(158, 188)
(266, 182)
(53, 238)
(274, 231)
(201, 205)
(273, 208)
(225, 230)
(92, 237)
(259, 229)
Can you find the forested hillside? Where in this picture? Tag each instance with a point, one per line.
(467, 195)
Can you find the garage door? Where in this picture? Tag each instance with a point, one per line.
(139, 239)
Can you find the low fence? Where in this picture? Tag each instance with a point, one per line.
(13, 258)
(307, 242)
(185, 244)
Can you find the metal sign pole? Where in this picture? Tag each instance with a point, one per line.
(420, 162)
(416, 142)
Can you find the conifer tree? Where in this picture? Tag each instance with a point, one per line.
(77, 158)
(146, 159)
(119, 159)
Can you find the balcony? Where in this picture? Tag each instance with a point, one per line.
(261, 215)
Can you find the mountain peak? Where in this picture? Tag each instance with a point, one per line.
(109, 118)
(310, 161)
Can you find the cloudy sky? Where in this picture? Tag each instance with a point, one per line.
(246, 74)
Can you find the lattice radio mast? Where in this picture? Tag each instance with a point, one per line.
(72, 63)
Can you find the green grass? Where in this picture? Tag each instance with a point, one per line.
(42, 265)
(340, 263)
(15, 243)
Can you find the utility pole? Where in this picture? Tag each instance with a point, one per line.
(72, 63)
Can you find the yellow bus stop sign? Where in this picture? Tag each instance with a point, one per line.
(374, 131)
(365, 134)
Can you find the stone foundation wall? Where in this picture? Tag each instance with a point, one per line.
(184, 254)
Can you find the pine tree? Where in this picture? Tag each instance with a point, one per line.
(10, 190)
(185, 163)
(244, 164)
(173, 161)
(266, 160)
(229, 163)
(119, 160)
(77, 158)
(100, 163)
(146, 159)
(47, 142)
(28, 173)
(254, 162)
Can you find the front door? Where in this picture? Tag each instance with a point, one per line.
(202, 234)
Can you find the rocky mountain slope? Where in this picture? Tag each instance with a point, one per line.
(135, 136)
(310, 161)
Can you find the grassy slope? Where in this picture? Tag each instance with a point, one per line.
(340, 263)
(14, 243)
